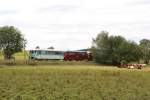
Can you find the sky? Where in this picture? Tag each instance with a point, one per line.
(71, 24)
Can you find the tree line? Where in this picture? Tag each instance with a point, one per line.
(116, 50)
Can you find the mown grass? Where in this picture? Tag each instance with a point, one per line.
(73, 82)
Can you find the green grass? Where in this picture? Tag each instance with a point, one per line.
(73, 82)
(18, 56)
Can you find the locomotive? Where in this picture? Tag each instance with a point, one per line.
(39, 54)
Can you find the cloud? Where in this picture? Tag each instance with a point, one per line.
(58, 8)
(8, 12)
(145, 2)
(71, 24)
(139, 3)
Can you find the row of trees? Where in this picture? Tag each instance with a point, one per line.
(116, 50)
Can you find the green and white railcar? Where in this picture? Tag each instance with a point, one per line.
(38, 54)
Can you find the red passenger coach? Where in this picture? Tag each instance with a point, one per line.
(77, 56)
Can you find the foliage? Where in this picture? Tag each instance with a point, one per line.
(37, 47)
(51, 48)
(73, 83)
(145, 46)
(11, 41)
(100, 48)
(114, 49)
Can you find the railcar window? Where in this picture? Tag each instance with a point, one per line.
(57, 53)
(46, 52)
(39, 52)
(50, 52)
(83, 54)
(43, 52)
(32, 52)
(71, 53)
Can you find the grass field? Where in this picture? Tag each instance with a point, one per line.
(73, 82)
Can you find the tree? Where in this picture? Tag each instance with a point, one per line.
(116, 52)
(145, 46)
(37, 47)
(51, 48)
(11, 41)
(100, 48)
(114, 49)
(130, 51)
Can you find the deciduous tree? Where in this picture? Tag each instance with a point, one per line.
(145, 47)
(114, 49)
(11, 41)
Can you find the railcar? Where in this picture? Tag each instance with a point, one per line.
(77, 56)
(46, 55)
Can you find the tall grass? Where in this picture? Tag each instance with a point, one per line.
(72, 83)
(43, 62)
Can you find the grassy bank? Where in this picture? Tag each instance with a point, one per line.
(43, 62)
(76, 82)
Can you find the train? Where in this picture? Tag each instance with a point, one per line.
(48, 54)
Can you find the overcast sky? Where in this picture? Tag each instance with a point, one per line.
(71, 24)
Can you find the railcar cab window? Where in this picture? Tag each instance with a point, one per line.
(33, 52)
